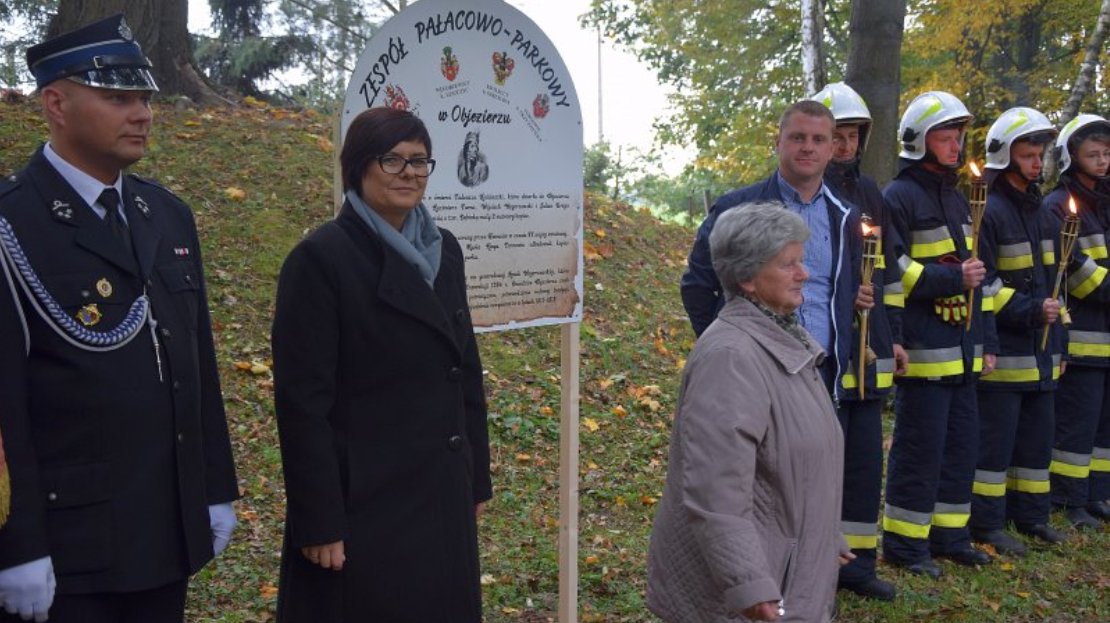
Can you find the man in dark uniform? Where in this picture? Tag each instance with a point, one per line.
(121, 468)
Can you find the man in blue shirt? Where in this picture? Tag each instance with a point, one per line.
(832, 253)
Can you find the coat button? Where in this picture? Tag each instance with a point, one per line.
(180, 437)
(177, 386)
(454, 374)
(455, 442)
(165, 332)
(53, 497)
(149, 283)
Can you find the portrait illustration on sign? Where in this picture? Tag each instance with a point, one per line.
(473, 169)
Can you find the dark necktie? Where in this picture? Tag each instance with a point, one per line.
(109, 200)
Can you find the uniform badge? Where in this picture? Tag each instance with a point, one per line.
(104, 287)
(61, 210)
(125, 30)
(181, 251)
(89, 315)
(140, 203)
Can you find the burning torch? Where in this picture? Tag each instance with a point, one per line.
(871, 250)
(1069, 233)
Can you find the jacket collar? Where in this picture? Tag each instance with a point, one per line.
(783, 347)
(401, 286)
(69, 209)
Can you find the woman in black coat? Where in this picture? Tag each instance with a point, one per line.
(380, 405)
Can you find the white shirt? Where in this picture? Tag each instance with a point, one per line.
(87, 186)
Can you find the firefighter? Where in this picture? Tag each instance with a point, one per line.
(1017, 245)
(1080, 468)
(861, 418)
(932, 459)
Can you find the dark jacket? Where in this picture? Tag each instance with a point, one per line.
(859, 190)
(112, 469)
(702, 294)
(1088, 337)
(1017, 245)
(931, 233)
(382, 418)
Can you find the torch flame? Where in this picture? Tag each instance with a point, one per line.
(867, 229)
(975, 169)
(1071, 205)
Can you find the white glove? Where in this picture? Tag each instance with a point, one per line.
(28, 589)
(222, 519)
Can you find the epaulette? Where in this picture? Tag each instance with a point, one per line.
(150, 182)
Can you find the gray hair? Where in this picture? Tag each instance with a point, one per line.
(746, 237)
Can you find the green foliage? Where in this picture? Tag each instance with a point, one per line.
(996, 55)
(681, 197)
(242, 64)
(598, 167)
(24, 22)
(735, 64)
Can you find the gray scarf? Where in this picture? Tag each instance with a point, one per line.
(419, 240)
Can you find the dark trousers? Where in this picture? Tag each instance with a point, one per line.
(929, 473)
(862, 423)
(1082, 427)
(1015, 449)
(165, 604)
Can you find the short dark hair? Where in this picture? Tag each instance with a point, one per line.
(373, 133)
(1094, 132)
(811, 108)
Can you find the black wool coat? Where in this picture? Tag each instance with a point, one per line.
(113, 469)
(382, 418)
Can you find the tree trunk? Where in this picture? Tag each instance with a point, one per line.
(1082, 85)
(813, 59)
(161, 27)
(874, 71)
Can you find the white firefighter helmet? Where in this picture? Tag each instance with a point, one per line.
(1015, 123)
(847, 107)
(927, 111)
(1063, 150)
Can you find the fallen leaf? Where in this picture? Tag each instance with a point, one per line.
(523, 458)
(268, 591)
(235, 194)
(590, 424)
(647, 500)
(546, 410)
(620, 412)
(592, 560)
(600, 233)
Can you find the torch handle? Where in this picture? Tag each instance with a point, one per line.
(1055, 294)
(861, 359)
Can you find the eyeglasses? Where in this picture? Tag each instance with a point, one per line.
(394, 164)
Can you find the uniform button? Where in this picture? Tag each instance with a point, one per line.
(53, 497)
(84, 294)
(149, 283)
(180, 437)
(455, 442)
(454, 374)
(177, 386)
(188, 279)
(165, 332)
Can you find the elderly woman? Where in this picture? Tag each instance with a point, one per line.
(380, 405)
(749, 522)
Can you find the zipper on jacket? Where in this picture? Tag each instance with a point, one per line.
(785, 584)
(832, 299)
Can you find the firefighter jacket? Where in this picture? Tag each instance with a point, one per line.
(847, 183)
(702, 294)
(931, 233)
(1088, 289)
(1017, 244)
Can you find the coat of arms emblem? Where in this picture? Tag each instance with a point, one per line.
(502, 67)
(449, 64)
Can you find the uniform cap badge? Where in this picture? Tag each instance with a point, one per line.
(140, 203)
(89, 315)
(104, 287)
(125, 30)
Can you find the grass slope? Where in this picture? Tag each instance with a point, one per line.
(259, 178)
